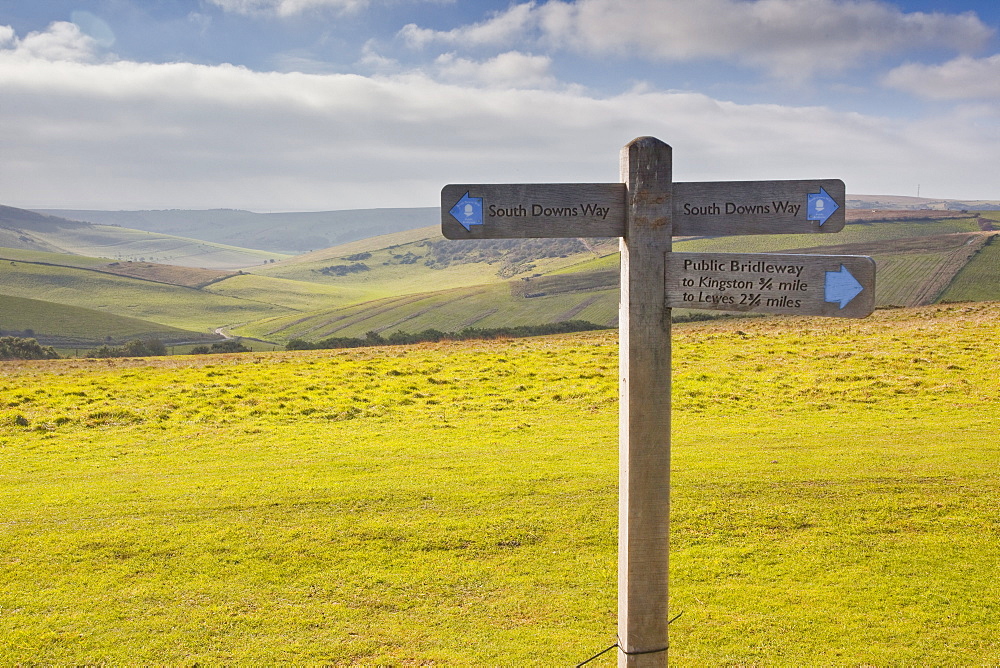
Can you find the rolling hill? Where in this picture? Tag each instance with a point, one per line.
(294, 232)
(917, 263)
(65, 326)
(29, 230)
(414, 280)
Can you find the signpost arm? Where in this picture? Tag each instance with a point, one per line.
(644, 417)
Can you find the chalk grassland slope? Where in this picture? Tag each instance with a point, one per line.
(124, 244)
(835, 500)
(97, 289)
(918, 204)
(422, 261)
(66, 326)
(916, 261)
(191, 277)
(491, 306)
(276, 232)
(29, 230)
(414, 280)
(978, 280)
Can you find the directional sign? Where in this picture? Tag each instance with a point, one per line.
(828, 285)
(758, 207)
(468, 211)
(533, 210)
(712, 208)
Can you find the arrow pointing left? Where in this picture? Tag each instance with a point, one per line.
(468, 211)
(841, 286)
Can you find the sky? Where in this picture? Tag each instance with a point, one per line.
(308, 105)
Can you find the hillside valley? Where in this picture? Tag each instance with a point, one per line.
(74, 284)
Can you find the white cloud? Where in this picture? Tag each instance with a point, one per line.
(507, 70)
(61, 41)
(121, 134)
(961, 78)
(286, 8)
(502, 28)
(790, 38)
(374, 61)
(8, 37)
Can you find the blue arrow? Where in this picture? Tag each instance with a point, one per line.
(820, 206)
(468, 211)
(841, 286)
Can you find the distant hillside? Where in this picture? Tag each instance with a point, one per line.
(414, 279)
(279, 232)
(18, 228)
(918, 203)
(30, 230)
(66, 326)
(302, 232)
(407, 283)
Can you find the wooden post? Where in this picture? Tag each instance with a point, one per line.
(644, 418)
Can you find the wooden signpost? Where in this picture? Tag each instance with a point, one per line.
(646, 210)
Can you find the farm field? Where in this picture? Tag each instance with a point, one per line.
(413, 281)
(79, 327)
(179, 306)
(835, 500)
(916, 263)
(979, 278)
(125, 244)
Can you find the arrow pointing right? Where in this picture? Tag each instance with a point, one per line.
(820, 206)
(841, 286)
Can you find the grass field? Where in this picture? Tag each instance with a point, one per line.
(171, 305)
(413, 281)
(916, 261)
(835, 500)
(119, 243)
(980, 279)
(72, 326)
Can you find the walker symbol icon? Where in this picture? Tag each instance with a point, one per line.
(468, 211)
(820, 206)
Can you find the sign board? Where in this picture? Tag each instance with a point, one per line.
(646, 210)
(532, 210)
(723, 208)
(719, 208)
(825, 285)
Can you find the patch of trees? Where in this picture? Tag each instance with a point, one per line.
(433, 335)
(227, 346)
(18, 348)
(343, 269)
(134, 348)
(409, 257)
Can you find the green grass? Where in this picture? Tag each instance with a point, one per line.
(835, 500)
(8, 255)
(294, 298)
(170, 305)
(448, 311)
(899, 277)
(68, 326)
(126, 244)
(979, 280)
(855, 233)
(283, 292)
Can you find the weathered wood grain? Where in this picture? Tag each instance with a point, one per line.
(644, 417)
(723, 208)
(537, 210)
(768, 283)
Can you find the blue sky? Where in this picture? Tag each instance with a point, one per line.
(335, 104)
